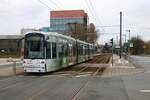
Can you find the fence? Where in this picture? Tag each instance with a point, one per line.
(131, 60)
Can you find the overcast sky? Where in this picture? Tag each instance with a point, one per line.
(16, 14)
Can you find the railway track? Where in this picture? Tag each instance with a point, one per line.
(76, 71)
(94, 73)
(78, 91)
(101, 59)
(87, 68)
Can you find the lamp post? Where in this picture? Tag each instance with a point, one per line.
(129, 43)
(120, 35)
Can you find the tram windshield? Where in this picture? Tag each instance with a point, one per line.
(34, 46)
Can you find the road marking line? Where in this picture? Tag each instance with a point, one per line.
(7, 78)
(145, 91)
(35, 95)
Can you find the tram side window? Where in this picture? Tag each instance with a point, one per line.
(54, 50)
(84, 52)
(79, 48)
(48, 50)
(70, 50)
(61, 49)
(66, 50)
(74, 49)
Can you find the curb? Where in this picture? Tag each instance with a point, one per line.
(11, 69)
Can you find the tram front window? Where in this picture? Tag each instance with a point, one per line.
(34, 47)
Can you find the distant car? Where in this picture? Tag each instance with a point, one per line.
(3, 51)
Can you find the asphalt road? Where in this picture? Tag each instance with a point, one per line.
(58, 87)
(138, 86)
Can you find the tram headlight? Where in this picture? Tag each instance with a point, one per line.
(42, 62)
(24, 62)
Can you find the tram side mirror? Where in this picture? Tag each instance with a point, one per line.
(45, 43)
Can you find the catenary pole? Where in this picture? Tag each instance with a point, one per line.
(120, 35)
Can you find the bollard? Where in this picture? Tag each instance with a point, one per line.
(14, 67)
(129, 58)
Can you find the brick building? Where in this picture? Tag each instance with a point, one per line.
(63, 21)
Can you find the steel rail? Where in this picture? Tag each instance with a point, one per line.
(74, 97)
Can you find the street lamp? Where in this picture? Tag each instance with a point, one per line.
(129, 43)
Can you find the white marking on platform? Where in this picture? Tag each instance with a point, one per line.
(145, 91)
(147, 72)
(121, 67)
(83, 75)
(143, 61)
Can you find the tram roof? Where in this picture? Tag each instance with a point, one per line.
(52, 34)
(58, 35)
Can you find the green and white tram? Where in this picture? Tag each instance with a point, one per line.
(50, 51)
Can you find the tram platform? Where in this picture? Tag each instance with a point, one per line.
(121, 67)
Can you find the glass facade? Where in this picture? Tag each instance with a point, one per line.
(61, 24)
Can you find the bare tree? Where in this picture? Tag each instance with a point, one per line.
(138, 45)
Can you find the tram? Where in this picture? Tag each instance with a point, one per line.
(50, 51)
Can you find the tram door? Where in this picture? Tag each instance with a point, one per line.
(70, 52)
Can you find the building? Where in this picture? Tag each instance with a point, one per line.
(46, 29)
(10, 45)
(67, 21)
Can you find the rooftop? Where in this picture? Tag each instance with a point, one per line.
(68, 13)
(11, 36)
